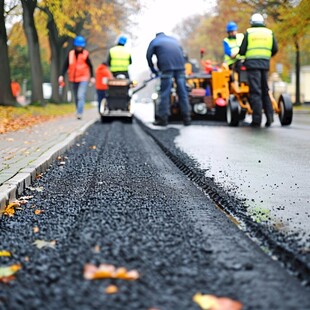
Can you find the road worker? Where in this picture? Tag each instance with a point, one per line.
(231, 45)
(258, 46)
(80, 71)
(119, 58)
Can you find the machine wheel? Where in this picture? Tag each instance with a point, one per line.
(286, 110)
(232, 111)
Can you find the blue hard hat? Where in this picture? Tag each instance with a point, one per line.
(122, 40)
(79, 41)
(231, 26)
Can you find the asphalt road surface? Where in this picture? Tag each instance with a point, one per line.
(116, 198)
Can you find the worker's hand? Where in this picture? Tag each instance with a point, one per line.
(155, 73)
(92, 80)
(60, 79)
(233, 56)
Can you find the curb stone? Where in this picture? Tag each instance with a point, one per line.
(14, 187)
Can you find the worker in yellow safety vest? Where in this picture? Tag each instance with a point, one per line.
(231, 44)
(119, 58)
(258, 46)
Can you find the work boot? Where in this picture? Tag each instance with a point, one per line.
(269, 120)
(187, 120)
(160, 122)
(255, 125)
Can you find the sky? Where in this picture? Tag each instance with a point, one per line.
(161, 16)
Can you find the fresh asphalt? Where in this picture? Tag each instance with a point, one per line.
(117, 192)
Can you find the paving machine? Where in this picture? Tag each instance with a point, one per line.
(117, 104)
(238, 105)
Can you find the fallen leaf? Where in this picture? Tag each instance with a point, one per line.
(36, 229)
(96, 249)
(211, 302)
(111, 289)
(93, 147)
(44, 244)
(105, 271)
(25, 198)
(7, 273)
(10, 208)
(5, 253)
(37, 211)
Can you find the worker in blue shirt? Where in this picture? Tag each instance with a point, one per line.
(231, 44)
(170, 65)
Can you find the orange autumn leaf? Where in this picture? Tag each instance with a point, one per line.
(7, 273)
(105, 271)
(10, 208)
(211, 302)
(36, 229)
(111, 289)
(15, 205)
(37, 211)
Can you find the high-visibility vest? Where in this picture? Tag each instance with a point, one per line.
(234, 44)
(120, 58)
(260, 40)
(78, 70)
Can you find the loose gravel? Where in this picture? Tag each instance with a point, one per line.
(116, 198)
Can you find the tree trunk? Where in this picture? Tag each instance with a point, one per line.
(55, 46)
(6, 96)
(297, 69)
(34, 51)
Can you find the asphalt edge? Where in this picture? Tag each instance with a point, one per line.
(12, 188)
(294, 264)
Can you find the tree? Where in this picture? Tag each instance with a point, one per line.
(295, 24)
(6, 97)
(34, 50)
(96, 20)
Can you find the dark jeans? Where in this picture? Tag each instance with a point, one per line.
(166, 82)
(259, 96)
(101, 94)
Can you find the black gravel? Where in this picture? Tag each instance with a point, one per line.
(286, 248)
(117, 191)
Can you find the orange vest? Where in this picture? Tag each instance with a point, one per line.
(103, 74)
(78, 70)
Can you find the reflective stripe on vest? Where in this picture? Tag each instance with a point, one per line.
(234, 45)
(260, 40)
(120, 58)
(78, 70)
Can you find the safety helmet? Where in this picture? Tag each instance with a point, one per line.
(257, 19)
(122, 40)
(79, 41)
(231, 26)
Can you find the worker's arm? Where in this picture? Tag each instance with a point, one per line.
(109, 59)
(227, 49)
(244, 45)
(90, 65)
(149, 55)
(274, 46)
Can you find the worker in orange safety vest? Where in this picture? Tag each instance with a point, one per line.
(80, 71)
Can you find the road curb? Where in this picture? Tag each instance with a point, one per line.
(15, 186)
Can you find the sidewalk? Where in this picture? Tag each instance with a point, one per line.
(26, 153)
